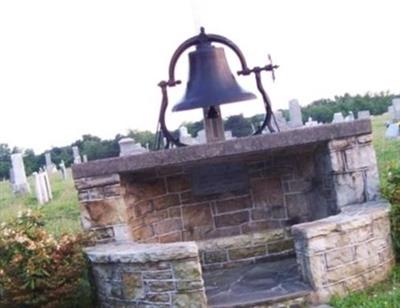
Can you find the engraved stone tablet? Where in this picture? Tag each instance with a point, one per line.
(219, 178)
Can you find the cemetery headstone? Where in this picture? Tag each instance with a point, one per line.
(185, 137)
(391, 112)
(63, 170)
(280, 119)
(42, 187)
(392, 131)
(85, 159)
(20, 182)
(295, 114)
(396, 108)
(127, 146)
(50, 167)
(350, 116)
(201, 136)
(311, 122)
(338, 117)
(363, 114)
(77, 156)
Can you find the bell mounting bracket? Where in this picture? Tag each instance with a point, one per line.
(245, 71)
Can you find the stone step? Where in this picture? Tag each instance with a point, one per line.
(292, 300)
(268, 284)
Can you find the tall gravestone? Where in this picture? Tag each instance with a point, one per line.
(363, 114)
(77, 155)
(63, 170)
(50, 167)
(396, 108)
(20, 183)
(338, 117)
(295, 114)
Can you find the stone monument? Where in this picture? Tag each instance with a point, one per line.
(20, 182)
(42, 187)
(363, 114)
(338, 117)
(77, 156)
(63, 170)
(127, 146)
(396, 108)
(185, 137)
(50, 167)
(295, 114)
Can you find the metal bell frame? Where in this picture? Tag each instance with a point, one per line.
(245, 71)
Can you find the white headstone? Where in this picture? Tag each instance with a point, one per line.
(396, 108)
(228, 135)
(201, 136)
(295, 114)
(185, 137)
(338, 117)
(127, 146)
(20, 184)
(391, 112)
(392, 131)
(50, 167)
(363, 114)
(85, 159)
(77, 156)
(63, 170)
(349, 117)
(280, 119)
(42, 187)
(311, 122)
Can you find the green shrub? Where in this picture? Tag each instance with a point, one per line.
(391, 191)
(35, 268)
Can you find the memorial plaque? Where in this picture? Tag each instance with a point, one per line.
(219, 178)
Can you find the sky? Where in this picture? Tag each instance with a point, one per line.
(69, 68)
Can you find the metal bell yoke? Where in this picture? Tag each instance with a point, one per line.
(211, 82)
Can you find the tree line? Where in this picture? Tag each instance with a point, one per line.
(96, 148)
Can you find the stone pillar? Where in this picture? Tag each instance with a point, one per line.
(213, 124)
(354, 170)
(346, 252)
(103, 208)
(127, 146)
(20, 184)
(49, 163)
(295, 114)
(148, 275)
(77, 156)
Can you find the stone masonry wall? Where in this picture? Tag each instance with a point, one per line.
(162, 207)
(147, 275)
(346, 252)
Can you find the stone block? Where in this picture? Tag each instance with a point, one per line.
(96, 181)
(349, 188)
(297, 206)
(259, 226)
(372, 183)
(154, 298)
(215, 256)
(341, 144)
(364, 139)
(280, 246)
(339, 257)
(142, 233)
(171, 237)
(132, 285)
(147, 189)
(247, 252)
(105, 212)
(187, 270)
(190, 300)
(231, 219)
(141, 208)
(300, 185)
(167, 226)
(159, 285)
(197, 215)
(263, 238)
(189, 285)
(234, 204)
(267, 192)
(165, 201)
(112, 191)
(261, 213)
(178, 183)
(360, 157)
(157, 275)
(199, 233)
(154, 216)
(174, 212)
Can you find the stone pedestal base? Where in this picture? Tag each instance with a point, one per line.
(346, 252)
(147, 275)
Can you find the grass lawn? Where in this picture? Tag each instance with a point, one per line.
(62, 216)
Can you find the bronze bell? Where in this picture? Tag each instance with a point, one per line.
(211, 82)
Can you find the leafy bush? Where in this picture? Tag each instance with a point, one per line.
(35, 268)
(391, 190)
